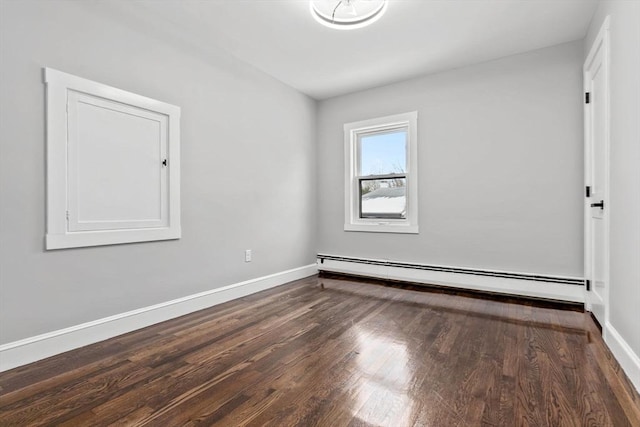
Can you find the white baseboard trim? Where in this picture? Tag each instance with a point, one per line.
(626, 357)
(503, 285)
(39, 347)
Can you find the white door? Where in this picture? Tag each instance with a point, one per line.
(596, 80)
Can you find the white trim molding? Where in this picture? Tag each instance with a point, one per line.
(353, 220)
(65, 226)
(39, 347)
(626, 357)
(560, 288)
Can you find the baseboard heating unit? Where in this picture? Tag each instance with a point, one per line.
(552, 287)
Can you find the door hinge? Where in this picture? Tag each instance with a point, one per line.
(67, 216)
(587, 97)
(587, 191)
(588, 284)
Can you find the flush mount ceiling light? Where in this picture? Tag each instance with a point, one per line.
(347, 14)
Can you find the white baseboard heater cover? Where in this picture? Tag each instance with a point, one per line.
(514, 283)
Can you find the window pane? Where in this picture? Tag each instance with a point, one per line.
(383, 153)
(383, 198)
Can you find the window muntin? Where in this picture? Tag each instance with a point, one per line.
(381, 174)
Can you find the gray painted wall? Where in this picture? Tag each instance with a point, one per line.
(500, 165)
(500, 156)
(248, 169)
(624, 291)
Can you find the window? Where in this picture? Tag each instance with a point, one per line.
(381, 193)
(113, 165)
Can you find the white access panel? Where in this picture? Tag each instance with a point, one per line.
(112, 165)
(117, 176)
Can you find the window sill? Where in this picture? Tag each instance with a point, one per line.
(81, 239)
(382, 228)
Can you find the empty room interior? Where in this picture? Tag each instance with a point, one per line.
(320, 213)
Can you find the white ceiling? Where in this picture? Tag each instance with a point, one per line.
(415, 37)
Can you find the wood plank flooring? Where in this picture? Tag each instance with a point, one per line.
(335, 352)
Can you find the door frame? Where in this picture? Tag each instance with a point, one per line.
(601, 42)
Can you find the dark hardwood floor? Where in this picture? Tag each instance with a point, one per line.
(346, 354)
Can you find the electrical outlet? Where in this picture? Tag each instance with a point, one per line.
(247, 255)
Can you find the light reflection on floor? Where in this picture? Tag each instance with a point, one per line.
(383, 389)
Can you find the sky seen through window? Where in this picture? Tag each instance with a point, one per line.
(383, 153)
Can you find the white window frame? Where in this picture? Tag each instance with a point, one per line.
(63, 229)
(352, 133)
